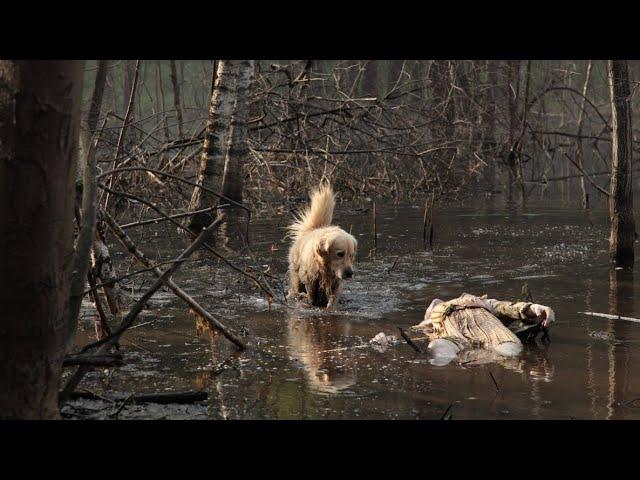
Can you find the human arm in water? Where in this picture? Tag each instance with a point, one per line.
(506, 311)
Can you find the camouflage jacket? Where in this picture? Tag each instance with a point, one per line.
(478, 321)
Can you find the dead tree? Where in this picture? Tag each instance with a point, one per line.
(488, 120)
(579, 148)
(237, 150)
(176, 96)
(621, 200)
(98, 93)
(513, 95)
(40, 108)
(163, 108)
(370, 86)
(215, 143)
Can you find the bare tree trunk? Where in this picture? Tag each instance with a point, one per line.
(86, 207)
(489, 114)
(176, 96)
(128, 117)
(215, 143)
(525, 113)
(370, 82)
(98, 93)
(40, 108)
(165, 122)
(238, 149)
(513, 94)
(621, 199)
(130, 84)
(393, 76)
(579, 149)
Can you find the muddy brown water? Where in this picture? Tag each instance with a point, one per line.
(304, 363)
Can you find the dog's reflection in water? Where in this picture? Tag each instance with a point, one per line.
(312, 342)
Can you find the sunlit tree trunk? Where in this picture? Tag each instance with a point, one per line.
(39, 133)
(621, 199)
(579, 149)
(215, 143)
(238, 150)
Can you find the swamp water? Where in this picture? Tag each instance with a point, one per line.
(309, 364)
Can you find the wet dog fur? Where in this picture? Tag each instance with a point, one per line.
(322, 255)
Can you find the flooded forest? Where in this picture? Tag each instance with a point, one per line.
(146, 262)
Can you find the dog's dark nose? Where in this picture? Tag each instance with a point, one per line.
(348, 273)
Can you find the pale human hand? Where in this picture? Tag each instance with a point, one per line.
(547, 315)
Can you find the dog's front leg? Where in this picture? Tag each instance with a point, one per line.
(334, 297)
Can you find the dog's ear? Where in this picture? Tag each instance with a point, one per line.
(322, 248)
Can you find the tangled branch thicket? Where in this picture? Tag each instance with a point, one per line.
(397, 129)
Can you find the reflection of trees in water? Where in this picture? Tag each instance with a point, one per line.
(611, 379)
(591, 384)
(220, 358)
(231, 235)
(621, 294)
(308, 340)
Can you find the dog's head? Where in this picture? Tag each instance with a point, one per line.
(337, 251)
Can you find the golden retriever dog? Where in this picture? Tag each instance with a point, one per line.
(322, 254)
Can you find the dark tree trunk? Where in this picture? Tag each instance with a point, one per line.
(513, 96)
(488, 120)
(40, 109)
(621, 200)
(176, 96)
(370, 86)
(98, 93)
(393, 77)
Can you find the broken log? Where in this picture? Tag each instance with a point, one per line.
(94, 360)
(163, 398)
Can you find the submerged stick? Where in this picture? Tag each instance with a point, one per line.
(427, 220)
(162, 398)
(444, 415)
(138, 254)
(494, 381)
(612, 317)
(409, 341)
(375, 228)
(424, 223)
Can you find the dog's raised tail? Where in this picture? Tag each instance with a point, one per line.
(318, 215)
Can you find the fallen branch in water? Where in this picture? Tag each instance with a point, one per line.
(393, 266)
(611, 317)
(141, 257)
(362, 345)
(444, 415)
(105, 343)
(162, 398)
(409, 341)
(103, 360)
(494, 381)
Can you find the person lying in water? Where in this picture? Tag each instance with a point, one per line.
(471, 322)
